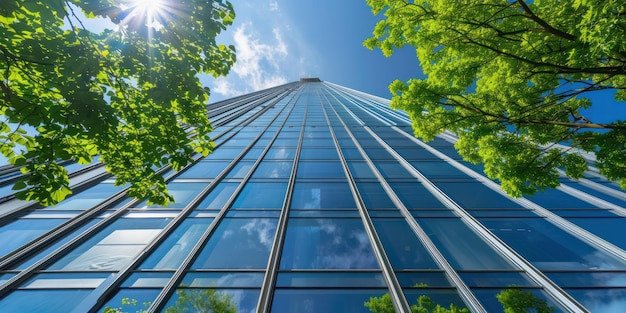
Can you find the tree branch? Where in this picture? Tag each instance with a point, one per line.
(530, 14)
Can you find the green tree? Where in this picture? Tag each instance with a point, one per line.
(513, 300)
(131, 94)
(511, 78)
(189, 301)
(202, 301)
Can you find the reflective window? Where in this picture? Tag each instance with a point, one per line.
(310, 169)
(475, 195)
(374, 196)
(281, 153)
(496, 279)
(273, 169)
(610, 229)
(443, 297)
(224, 153)
(599, 300)
(414, 195)
(217, 198)
(183, 193)
(261, 195)
(325, 195)
(49, 301)
(360, 170)
(238, 243)
(403, 248)
(487, 296)
(148, 279)
(463, 249)
(438, 169)
(558, 249)
(204, 169)
(88, 198)
(171, 253)
(318, 153)
(554, 198)
(330, 279)
(112, 248)
(240, 170)
(430, 279)
(323, 300)
(22, 231)
(223, 279)
(324, 243)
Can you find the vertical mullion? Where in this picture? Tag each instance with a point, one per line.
(267, 288)
(395, 290)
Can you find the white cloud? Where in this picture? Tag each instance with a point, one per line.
(273, 6)
(258, 62)
(224, 87)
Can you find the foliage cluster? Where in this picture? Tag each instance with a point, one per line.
(129, 94)
(512, 79)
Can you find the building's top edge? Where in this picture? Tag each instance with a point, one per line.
(309, 79)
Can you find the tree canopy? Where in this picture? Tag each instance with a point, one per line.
(512, 79)
(129, 94)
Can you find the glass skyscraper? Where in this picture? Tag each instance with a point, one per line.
(316, 199)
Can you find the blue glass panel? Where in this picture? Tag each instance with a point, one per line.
(599, 300)
(430, 279)
(360, 170)
(487, 297)
(273, 169)
(393, 170)
(183, 193)
(281, 153)
(224, 153)
(253, 154)
(240, 170)
(475, 195)
(463, 249)
(502, 213)
(610, 229)
(310, 169)
(148, 279)
(596, 193)
(330, 279)
(438, 169)
(557, 199)
(414, 195)
(318, 153)
(559, 250)
(588, 279)
(374, 196)
(238, 243)
(171, 253)
(378, 154)
(323, 300)
(113, 247)
(496, 279)
(204, 169)
(197, 300)
(351, 153)
(49, 301)
(324, 243)
(593, 213)
(402, 246)
(216, 199)
(324, 195)
(443, 297)
(223, 279)
(88, 198)
(57, 244)
(21, 231)
(261, 195)
(415, 153)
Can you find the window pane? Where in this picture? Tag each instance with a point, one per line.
(21, 231)
(318, 153)
(323, 300)
(414, 195)
(309, 169)
(323, 243)
(218, 196)
(558, 250)
(201, 300)
(204, 169)
(113, 247)
(463, 249)
(333, 279)
(402, 246)
(268, 169)
(374, 196)
(261, 195)
(238, 243)
(322, 196)
(171, 253)
(49, 301)
(221, 279)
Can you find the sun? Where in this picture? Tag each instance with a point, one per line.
(149, 7)
(149, 12)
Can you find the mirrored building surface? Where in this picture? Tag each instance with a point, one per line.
(316, 199)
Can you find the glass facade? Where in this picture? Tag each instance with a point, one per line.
(316, 199)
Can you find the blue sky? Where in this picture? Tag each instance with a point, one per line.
(280, 41)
